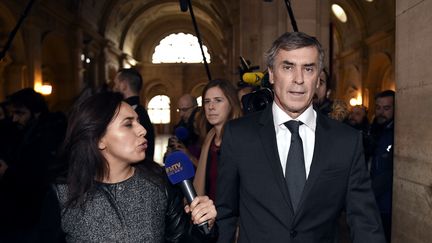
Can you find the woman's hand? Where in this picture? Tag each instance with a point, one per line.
(202, 209)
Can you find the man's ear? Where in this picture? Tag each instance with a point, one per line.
(270, 72)
(328, 93)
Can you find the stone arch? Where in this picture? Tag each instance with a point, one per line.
(7, 23)
(155, 87)
(144, 51)
(354, 29)
(352, 83)
(57, 68)
(380, 72)
(198, 88)
(388, 80)
(13, 71)
(380, 76)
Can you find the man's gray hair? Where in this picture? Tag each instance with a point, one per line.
(292, 41)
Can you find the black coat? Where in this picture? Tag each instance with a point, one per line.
(251, 188)
(31, 166)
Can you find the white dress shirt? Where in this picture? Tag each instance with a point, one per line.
(306, 131)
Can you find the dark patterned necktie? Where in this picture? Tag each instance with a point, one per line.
(295, 173)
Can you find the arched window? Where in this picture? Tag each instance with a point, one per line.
(179, 48)
(199, 100)
(159, 109)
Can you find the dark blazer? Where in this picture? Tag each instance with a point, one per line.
(252, 193)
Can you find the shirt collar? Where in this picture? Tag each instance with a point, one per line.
(308, 117)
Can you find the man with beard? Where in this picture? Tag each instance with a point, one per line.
(26, 171)
(358, 118)
(381, 167)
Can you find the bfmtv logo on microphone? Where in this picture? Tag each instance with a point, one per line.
(179, 167)
(175, 168)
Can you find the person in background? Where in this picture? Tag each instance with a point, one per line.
(186, 134)
(221, 104)
(129, 82)
(9, 135)
(111, 193)
(286, 173)
(242, 91)
(321, 99)
(27, 169)
(3, 111)
(339, 111)
(381, 165)
(358, 119)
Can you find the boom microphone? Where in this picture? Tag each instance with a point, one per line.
(253, 78)
(180, 170)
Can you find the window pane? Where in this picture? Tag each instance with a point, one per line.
(199, 101)
(159, 109)
(179, 48)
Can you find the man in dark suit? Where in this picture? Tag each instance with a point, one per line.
(286, 173)
(128, 81)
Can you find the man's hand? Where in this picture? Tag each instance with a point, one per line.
(176, 145)
(202, 209)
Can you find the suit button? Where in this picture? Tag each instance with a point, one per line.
(293, 233)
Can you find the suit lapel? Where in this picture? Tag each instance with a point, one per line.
(318, 161)
(269, 145)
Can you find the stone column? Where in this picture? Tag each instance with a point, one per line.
(412, 184)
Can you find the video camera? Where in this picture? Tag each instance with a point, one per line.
(262, 94)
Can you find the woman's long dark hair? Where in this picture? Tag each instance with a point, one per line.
(87, 124)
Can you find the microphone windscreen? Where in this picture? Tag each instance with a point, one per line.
(182, 133)
(178, 167)
(253, 78)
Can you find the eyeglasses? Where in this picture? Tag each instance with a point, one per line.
(184, 109)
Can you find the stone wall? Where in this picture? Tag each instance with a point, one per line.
(412, 200)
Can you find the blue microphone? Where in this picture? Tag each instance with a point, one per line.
(180, 171)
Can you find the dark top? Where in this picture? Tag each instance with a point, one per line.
(192, 137)
(382, 165)
(252, 192)
(212, 163)
(144, 118)
(32, 164)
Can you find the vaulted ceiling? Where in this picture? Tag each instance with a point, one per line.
(129, 24)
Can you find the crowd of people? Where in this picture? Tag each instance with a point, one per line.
(285, 173)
